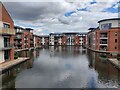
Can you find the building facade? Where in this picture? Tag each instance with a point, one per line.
(55, 39)
(37, 41)
(6, 35)
(106, 37)
(44, 40)
(23, 38)
(67, 38)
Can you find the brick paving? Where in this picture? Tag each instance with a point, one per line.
(11, 63)
(115, 62)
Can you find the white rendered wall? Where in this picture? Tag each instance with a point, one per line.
(1, 42)
(43, 41)
(2, 56)
(34, 41)
(1, 24)
(51, 40)
(60, 41)
(114, 23)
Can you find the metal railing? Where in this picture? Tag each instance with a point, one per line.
(7, 31)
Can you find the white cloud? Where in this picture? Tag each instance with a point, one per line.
(49, 16)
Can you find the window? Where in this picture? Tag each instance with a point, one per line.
(6, 25)
(115, 33)
(115, 47)
(106, 26)
(115, 40)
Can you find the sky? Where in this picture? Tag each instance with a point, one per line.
(46, 16)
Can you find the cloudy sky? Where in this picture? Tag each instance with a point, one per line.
(47, 16)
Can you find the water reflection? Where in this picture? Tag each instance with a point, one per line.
(62, 67)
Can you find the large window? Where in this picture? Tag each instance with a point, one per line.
(7, 54)
(106, 26)
(6, 25)
(6, 42)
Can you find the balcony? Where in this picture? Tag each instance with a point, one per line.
(19, 43)
(7, 45)
(5, 31)
(103, 43)
(31, 37)
(103, 37)
(18, 37)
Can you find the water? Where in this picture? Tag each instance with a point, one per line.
(62, 67)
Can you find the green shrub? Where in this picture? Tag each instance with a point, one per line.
(118, 56)
(15, 55)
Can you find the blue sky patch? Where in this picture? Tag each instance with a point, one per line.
(93, 2)
(83, 9)
(69, 13)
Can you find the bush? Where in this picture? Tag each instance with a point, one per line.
(15, 55)
(118, 56)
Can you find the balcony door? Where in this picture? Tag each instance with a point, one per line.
(6, 42)
(7, 55)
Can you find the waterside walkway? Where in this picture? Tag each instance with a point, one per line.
(7, 65)
(115, 62)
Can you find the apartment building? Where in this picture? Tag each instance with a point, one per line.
(91, 38)
(44, 40)
(83, 39)
(74, 38)
(106, 37)
(55, 39)
(23, 38)
(109, 35)
(6, 35)
(37, 41)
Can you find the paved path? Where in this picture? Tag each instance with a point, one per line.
(115, 62)
(9, 64)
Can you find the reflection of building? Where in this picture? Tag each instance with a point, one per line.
(23, 38)
(6, 35)
(106, 37)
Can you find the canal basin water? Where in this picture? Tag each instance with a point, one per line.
(62, 67)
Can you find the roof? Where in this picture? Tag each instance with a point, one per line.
(6, 11)
(28, 28)
(44, 36)
(91, 28)
(55, 33)
(109, 19)
(19, 27)
(70, 33)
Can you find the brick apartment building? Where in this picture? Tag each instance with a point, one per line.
(67, 38)
(74, 39)
(55, 39)
(23, 38)
(6, 35)
(106, 37)
(44, 40)
(37, 41)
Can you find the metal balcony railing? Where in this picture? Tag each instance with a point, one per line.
(7, 31)
(103, 42)
(7, 44)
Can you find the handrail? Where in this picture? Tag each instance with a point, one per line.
(7, 31)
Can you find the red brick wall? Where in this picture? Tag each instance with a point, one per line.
(64, 40)
(6, 17)
(112, 38)
(119, 39)
(97, 39)
(0, 11)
